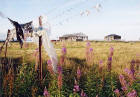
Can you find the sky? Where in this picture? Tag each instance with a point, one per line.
(120, 17)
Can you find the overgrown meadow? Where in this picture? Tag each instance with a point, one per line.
(85, 69)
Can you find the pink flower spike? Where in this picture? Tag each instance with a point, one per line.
(124, 88)
(59, 69)
(133, 93)
(91, 49)
(88, 44)
(83, 94)
(49, 66)
(78, 73)
(110, 59)
(76, 87)
(111, 49)
(49, 62)
(59, 81)
(100, 62)
(64, 51)
(117, 92)
(46, 94)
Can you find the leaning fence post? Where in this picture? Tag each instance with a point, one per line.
(40, 59)
(7, 40)
(40, 44)
(6, 49)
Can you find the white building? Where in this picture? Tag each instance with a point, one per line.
(74, 37)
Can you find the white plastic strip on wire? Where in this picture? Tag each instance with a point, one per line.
(44, 32)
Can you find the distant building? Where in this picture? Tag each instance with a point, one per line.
(74, 37)
(112, 37)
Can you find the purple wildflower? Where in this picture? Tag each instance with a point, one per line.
(110, 59)
(121, 76)
(123, 82)
(49, 62)
(124, 88)
(83, 94)
(76, 87)
(127, 70)
(59, 81)
(132, 66)
(117, 92)
(63, 56)
(49, 66)
(111, 49)
(59, 69)
(88, 44)
(109, 63)
(62, 59)
(129, 73)
(59, 78)
(133, 93)
(100, 62)
(100, 66)
(91, 49)
(89, 54)
(137, 64)
(78, 73)
(46, 94)
(64, 51)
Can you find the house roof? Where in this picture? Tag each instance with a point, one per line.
(113, 35)
(75, 34)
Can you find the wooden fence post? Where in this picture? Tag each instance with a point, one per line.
(6, 49)
(40, 44)
(40, 59)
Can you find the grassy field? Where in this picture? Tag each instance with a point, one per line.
(123, 52)
(94, 80)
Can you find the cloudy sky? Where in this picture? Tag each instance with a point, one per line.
(120, 17)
